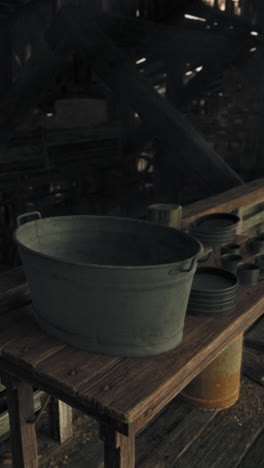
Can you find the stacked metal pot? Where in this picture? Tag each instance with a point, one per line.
(214, 292)
(215, 229)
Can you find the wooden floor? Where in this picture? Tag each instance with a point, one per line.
(180, 437)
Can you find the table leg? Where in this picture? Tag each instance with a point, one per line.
(119, 450)
(60, 420)
(23, 435)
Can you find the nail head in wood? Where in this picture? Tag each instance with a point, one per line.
(105, 388)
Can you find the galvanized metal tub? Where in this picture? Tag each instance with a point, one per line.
(116, 286)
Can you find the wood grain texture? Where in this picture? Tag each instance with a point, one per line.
(4, 417)
(253, 366)
(131, 389)
(227, 438)
(60, 420)
(13, 370)
(246, 195)
(139, 387)
(255, 334)
(70, 368)
(9, 322)
(119, 450)
(23, 435)
(252, 221)
(254, 458)
(176, 428)
(15, 297)
(30, 344)
(14, 289)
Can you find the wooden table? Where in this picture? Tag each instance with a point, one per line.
(123, 394)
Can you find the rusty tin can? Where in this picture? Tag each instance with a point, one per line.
(217, 387)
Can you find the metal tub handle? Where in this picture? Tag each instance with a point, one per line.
(20, 218)
(206, 254)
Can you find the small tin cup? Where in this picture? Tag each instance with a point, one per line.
(230, 249)
(259, 261)
(231, 261)
(248, 273)
(255, 244)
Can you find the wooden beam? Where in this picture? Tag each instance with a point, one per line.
(232, 200)
(23, 435)
(4, 417)
(119, 450)
(253, 366)
(60, 420)
(148, 36)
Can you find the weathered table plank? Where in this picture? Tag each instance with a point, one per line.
(14, 289)
(131, 389)
(253, 366)
(23, 435)
(30, 345)
(171, 433)
(70, 368)
(245, 195)
(226, 439)
(255, 456)
(119, 450)
(60, 420)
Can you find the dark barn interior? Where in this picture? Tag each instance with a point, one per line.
(150, 110)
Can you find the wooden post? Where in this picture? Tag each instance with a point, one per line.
(119, 450)
(23, 435)
(60, 421)
(166, 214)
